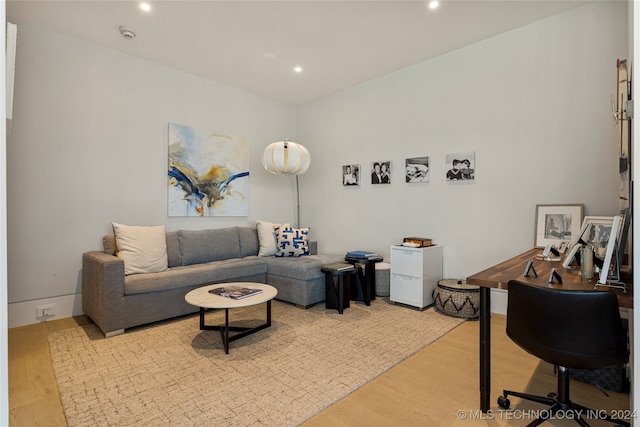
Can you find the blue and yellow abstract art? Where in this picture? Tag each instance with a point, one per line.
(208, 173)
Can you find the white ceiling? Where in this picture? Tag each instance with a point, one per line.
(254, 45)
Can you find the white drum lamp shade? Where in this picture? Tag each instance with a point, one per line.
(286, 157)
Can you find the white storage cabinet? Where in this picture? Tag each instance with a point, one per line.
(415, 272)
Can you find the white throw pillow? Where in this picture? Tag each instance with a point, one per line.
(142, 248)
(267, 237)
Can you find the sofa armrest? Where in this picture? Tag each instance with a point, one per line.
(103, 291)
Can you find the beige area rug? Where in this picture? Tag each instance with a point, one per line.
(173, 374)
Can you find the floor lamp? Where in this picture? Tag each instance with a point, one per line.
(287, 158)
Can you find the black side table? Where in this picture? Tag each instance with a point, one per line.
(338, 293)
(364, 288)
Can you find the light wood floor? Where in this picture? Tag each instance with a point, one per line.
(438, 386)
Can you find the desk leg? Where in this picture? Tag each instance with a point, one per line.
(485, 349)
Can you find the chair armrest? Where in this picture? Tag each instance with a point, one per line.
(103, 290)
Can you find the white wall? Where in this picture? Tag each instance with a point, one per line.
(534, 105)
(89, 146)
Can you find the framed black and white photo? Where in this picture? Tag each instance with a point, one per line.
(417, 169)
(461, 166)
(600, 232)
(381, 172)
(350, 175)
(557, 224)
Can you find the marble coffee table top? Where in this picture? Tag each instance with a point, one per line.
(201, 297)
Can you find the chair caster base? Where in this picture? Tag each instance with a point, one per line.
(503, 402)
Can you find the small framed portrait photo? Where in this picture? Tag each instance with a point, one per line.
(461, 166)
(350, 175)
(417, 169)
(381, 172)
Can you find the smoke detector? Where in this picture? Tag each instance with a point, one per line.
(127, 33)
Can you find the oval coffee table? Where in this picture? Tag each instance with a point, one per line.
(202, 298)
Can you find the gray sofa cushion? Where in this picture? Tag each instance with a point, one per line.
(301, 268)
(203, 246)
(248, 241)
(174, 256)
(201, 274)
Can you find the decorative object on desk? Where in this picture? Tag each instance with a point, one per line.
(381, 172)
(417, 169)
(235, 292)
(529, 269)
(555, 275)
(461, 166)
(586, 262)
(456, 298)
(350, 175)
(208, 173)
(618, 259)
(549, 254)
(606, 277)
(287, 158)
(421, 242)
(600, 232)
(557, 224)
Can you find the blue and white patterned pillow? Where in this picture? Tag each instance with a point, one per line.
(292, 241)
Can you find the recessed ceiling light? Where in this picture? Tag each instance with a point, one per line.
(434, 4)
(298, 69)
(145, 6)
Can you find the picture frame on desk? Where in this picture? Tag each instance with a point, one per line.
(556, 225)
(602, 233)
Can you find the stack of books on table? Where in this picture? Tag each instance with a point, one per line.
(362, 256)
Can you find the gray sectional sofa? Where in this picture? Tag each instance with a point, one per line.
(115, 301)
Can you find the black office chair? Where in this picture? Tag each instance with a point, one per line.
(569, 329)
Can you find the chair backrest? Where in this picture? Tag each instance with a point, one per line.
(574, 329)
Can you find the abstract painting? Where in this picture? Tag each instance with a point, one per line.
(208, 173)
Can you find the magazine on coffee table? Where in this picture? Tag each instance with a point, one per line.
(235, 292)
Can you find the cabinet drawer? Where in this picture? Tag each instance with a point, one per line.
(407, 262)
(406, 289)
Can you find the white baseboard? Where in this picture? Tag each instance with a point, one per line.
(24, 313)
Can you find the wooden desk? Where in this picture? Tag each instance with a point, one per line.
(498, 277)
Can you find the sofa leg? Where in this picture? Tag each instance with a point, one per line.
(114, 333)
(304, 307)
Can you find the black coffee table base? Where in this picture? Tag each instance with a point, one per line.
(225, 329)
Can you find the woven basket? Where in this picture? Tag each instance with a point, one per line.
(383, 279)
(456, 298)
